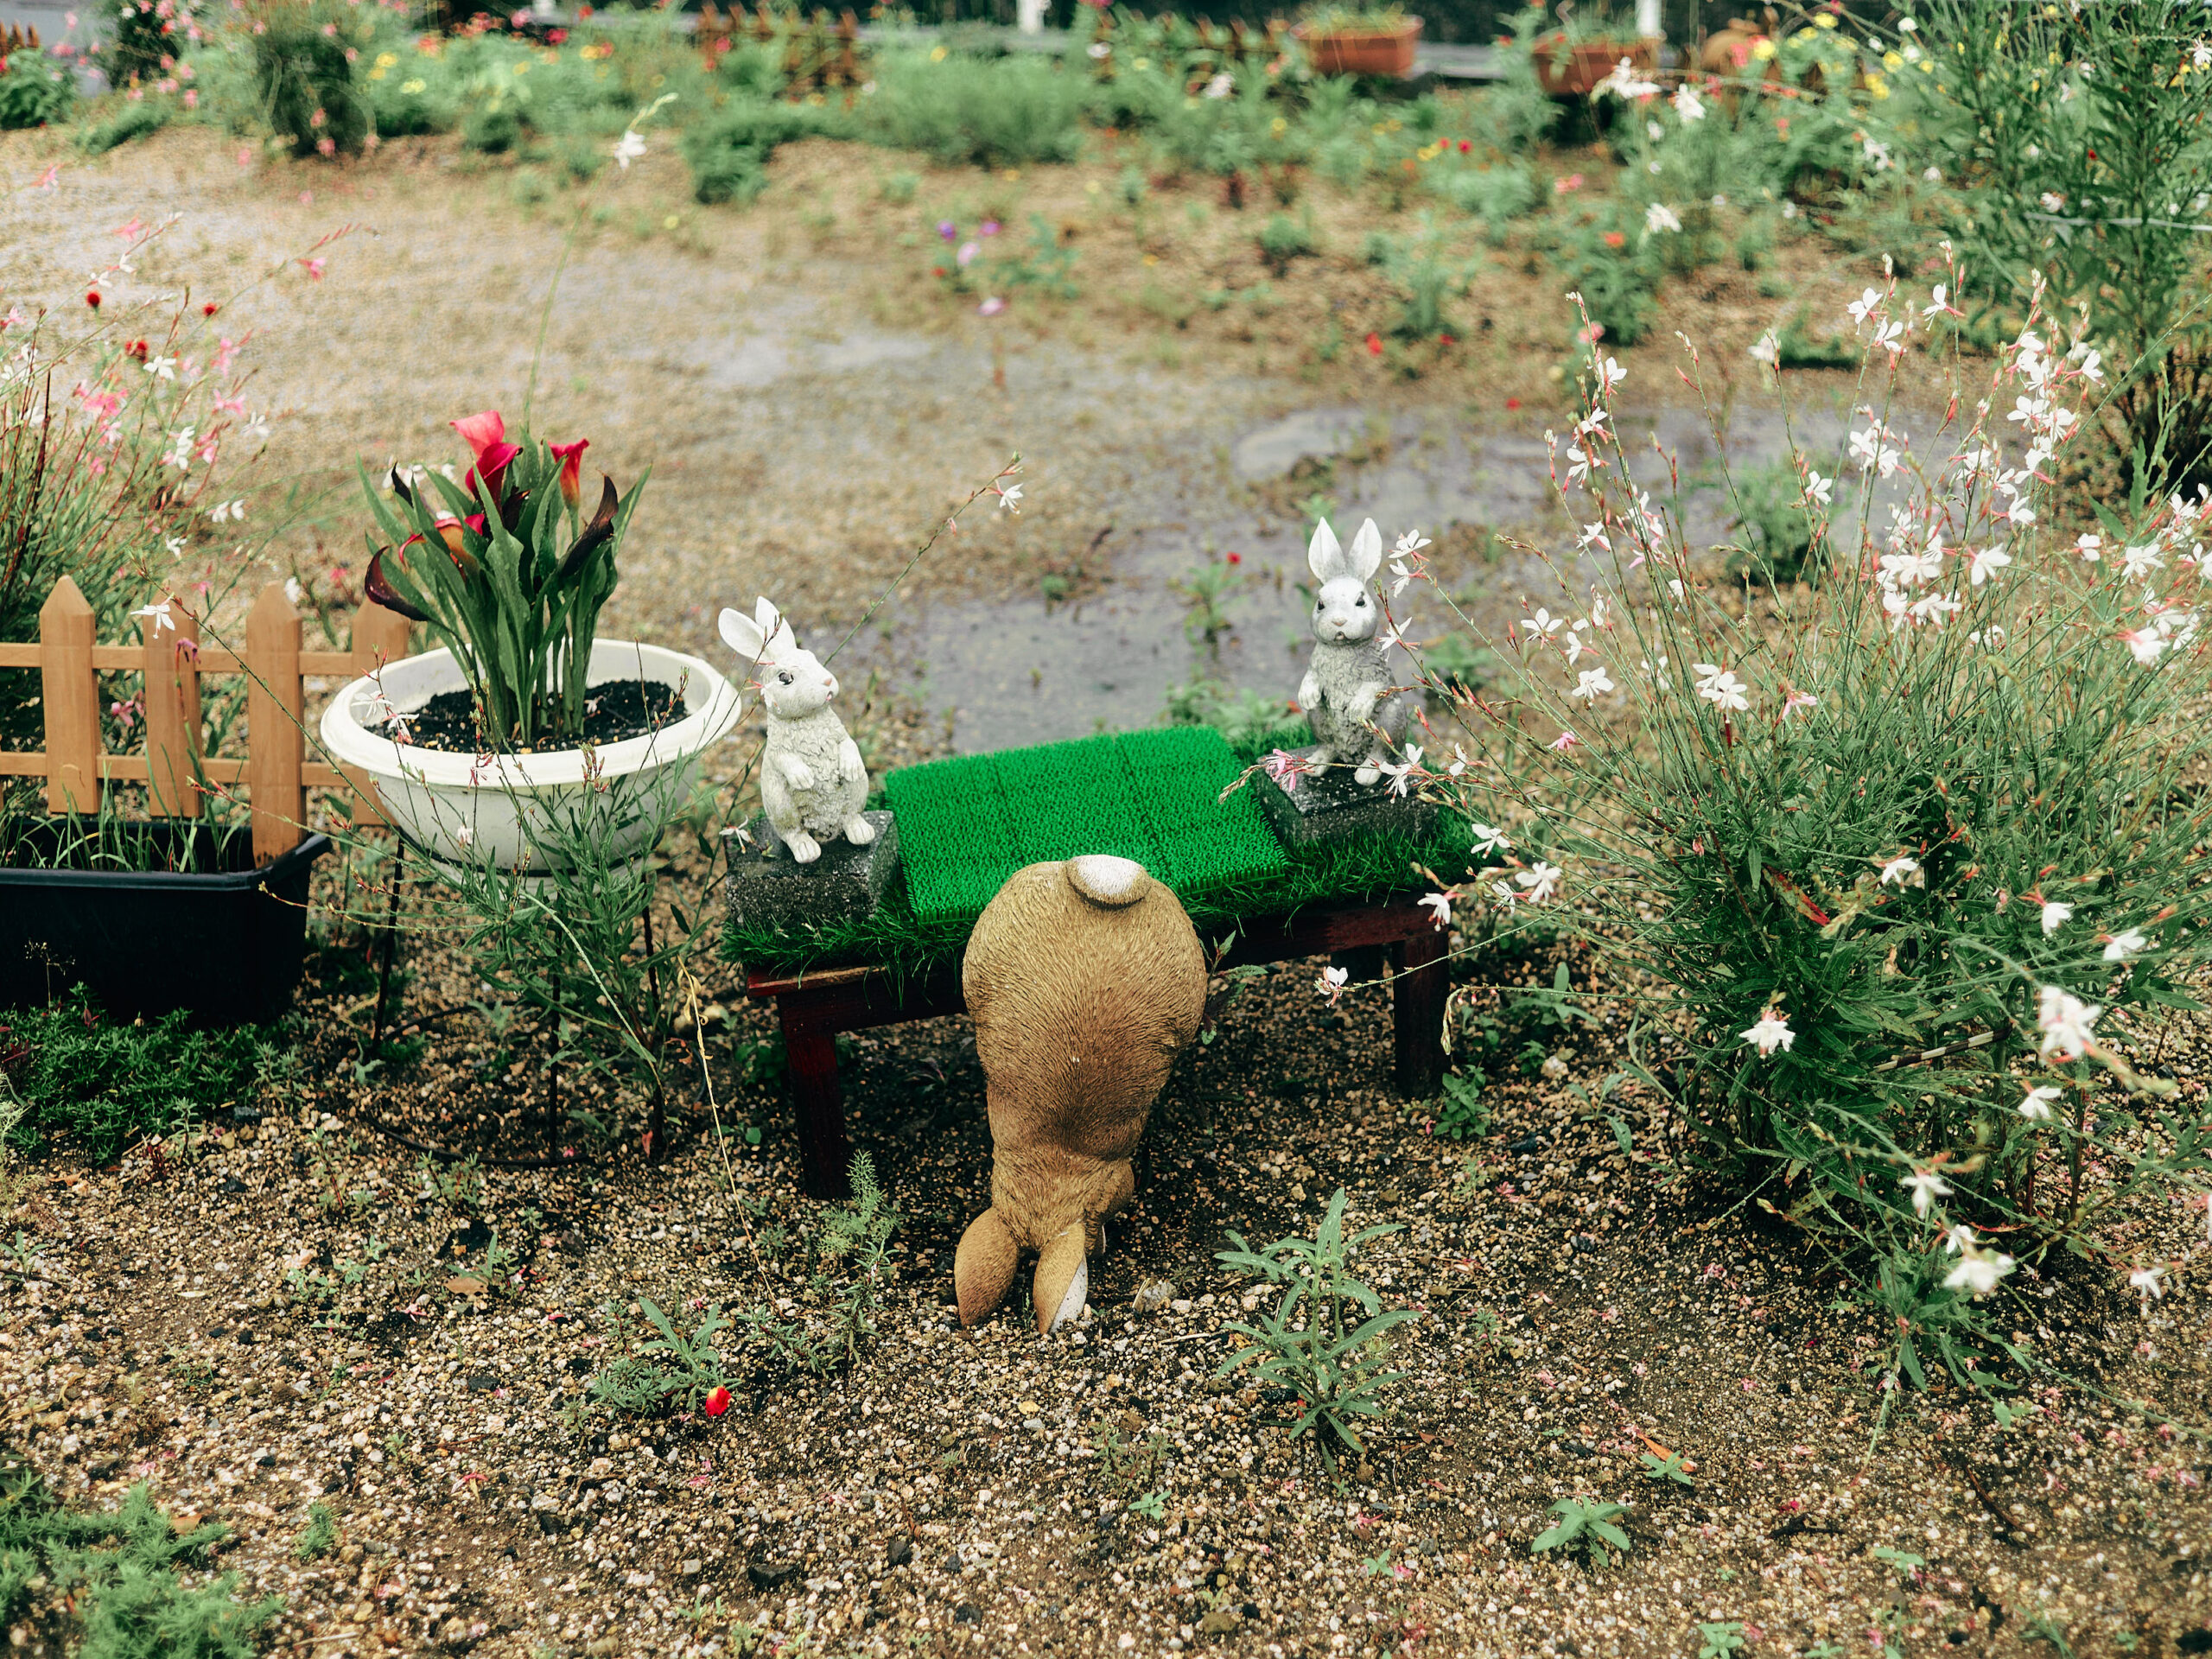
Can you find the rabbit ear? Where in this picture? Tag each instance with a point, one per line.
(775, 630)
(1324, 557)
(741, 635)
(1367, 551)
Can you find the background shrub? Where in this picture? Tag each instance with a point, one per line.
(729, 153)
(305, 82)
(34, 90)
(992, 112)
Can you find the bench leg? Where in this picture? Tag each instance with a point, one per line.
(825, 1156)
(1417, 998)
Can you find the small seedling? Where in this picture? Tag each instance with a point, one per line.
(1719, 1641)
(320, 1534)
(1462, 1114)
(1153, 1506)
(1583, 1525)
(1671, 1467)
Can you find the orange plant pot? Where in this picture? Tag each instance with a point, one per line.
(1579, 71)
(1388, 52)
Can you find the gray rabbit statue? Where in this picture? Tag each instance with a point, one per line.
(1347, 690)
(813, 783)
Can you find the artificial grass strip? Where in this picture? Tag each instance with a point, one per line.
(965, 824)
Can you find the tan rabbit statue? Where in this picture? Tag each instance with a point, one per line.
(1085, 980)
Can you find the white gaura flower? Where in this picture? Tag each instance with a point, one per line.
(2037, 1106)
(2136, 562)
(628, 148)
(1440, 906)
(1978, 1272)
(1817, 489)
(1926, 1186)
(1768, 350)
(1961, 1237)
(1609, 374)
(1539, 882)
(1010, 498)
(1221, 85)
(1770, 1033)
(158, 615)
(1890, 336)
(1793, 700)
(1331, 982)
(2055, 916)
(1591, 685)
(1487, 839)
(1403, 774)
(1898, 870)
(1986, 563)
(2149, 1281)
(1689, 104)
(2065, 1021)
(1725, 692)
(1543, 623)
(2091, 548)
(2120, 946)
(1658, 217)
(2147, 645)
(1865, 306)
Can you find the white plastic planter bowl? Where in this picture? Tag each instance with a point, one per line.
(463, 808)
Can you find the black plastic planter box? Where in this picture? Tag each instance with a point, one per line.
(225, 943)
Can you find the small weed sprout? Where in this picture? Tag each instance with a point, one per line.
(1462, 1114)
(319, 1535)
(1670, 1467)
(1584, 1524)
(1310, 1343)
(1718, 1641)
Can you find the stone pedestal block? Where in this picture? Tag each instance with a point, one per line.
(1328, 806)
(770, 889)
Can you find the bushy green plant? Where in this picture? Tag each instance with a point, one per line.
(1768, 504)
(112, 123)
(2080, 143)
(34, 90)
(1240, 716)
(1426, 277)
(144, 38)
(304, 78)
(1315, 1341)
(115, 1578)
(1603, 256)
(104, 1084)
(1886, 844)
(963, 109)
(1497, 195)
(1283, 239)
(729, 153)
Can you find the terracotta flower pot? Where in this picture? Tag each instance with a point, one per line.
(1387, 52)
(1577, 71)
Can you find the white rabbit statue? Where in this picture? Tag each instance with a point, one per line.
(813, 782)
(1345, 689)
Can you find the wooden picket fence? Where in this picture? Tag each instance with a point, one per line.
(13, 39)
(174, 767)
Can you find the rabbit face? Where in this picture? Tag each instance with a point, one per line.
(793, 685)
(1344, 610)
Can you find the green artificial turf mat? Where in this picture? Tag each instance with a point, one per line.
(966, 825)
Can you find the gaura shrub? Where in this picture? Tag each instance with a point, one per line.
(1904, 851)
(303, 77)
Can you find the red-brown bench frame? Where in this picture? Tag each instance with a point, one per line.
(815, 1007)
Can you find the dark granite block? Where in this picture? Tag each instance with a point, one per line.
(770, 889)
(1329, 806)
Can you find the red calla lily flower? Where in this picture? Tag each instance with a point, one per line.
(487, 437)
(571, 456)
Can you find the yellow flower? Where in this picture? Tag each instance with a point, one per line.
(936, 54)
(376, 74)
(411, 87)
(1877, 88)
(523, 67)
(1763, 49)
(1278, 126)
(385, 59)
(1927, 65)
(1892, 63)
(1141, 64)
(1152, 258)
(1826, 20)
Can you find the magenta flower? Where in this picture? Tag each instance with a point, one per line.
(968, 252)
(947, 229)
(989, 227)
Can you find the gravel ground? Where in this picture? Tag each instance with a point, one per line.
(808, 399)
(1098, 1491)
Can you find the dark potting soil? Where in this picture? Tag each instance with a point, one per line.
(616, 710)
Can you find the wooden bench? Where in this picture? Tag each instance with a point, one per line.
(815, 1007)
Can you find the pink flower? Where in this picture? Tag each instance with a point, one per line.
(190, 99)
(485, 436)
(314, 266)
(571, 456)
(992, 307)
(1287, 768)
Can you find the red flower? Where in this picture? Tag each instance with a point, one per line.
(1615, 239)
(136, 348)
(93, 299)
(1512, 402)
(717, 1403)
(208, 310)
(486, 435)
(1375, 344)
(571, 456)
(1237, 558)
(1466, 146)
(1445, 339)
